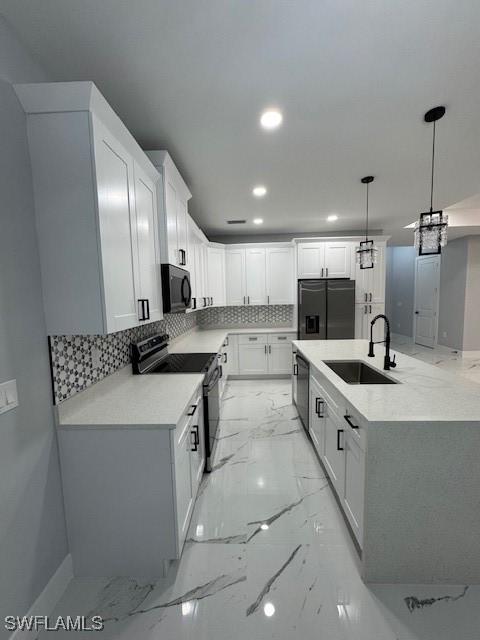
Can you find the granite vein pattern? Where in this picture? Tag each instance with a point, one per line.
(297, 577)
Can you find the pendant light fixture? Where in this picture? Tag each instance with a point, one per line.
(431, 228)
(367, 251)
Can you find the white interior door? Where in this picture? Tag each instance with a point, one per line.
(427, 285)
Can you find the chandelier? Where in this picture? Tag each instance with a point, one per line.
(367, 251)
(431, 228)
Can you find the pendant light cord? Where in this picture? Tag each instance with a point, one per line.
(366, 228)
(433, 168)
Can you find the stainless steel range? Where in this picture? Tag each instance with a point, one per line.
(151, 356)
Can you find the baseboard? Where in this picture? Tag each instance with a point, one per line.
(259, 376)
(48, 599)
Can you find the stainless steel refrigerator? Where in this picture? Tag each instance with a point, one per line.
(326, 309)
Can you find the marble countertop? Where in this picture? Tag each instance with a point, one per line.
(425, 393)
(126, 400)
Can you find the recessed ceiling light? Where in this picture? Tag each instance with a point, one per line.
(271, 119)
(332, 217)
(259, 191)
(269, 609)
(264, 526)
(258, 221)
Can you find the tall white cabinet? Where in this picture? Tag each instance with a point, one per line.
(173, 196)
(96, 212)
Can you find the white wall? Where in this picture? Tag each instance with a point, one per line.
(453, 273)
(471, 328)
(32, 527)
(400, 285)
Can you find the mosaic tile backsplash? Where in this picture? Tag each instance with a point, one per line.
(72, 357)
(80, 361)
(280, 315)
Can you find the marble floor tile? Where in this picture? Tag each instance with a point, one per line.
(268, 554)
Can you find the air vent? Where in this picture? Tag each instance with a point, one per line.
(236, 221)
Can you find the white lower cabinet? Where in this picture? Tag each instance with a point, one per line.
(261, 354)
(354, 491)
(131, 483)
(364, 314)
(340, 439)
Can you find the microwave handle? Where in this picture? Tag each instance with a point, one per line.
(186, 298)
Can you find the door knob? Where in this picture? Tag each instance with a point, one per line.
(417, 312)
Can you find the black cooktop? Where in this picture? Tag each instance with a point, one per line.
(185, 363)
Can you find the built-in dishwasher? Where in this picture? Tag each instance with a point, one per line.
(301, 369)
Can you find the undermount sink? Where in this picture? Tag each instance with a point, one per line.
(357, 372)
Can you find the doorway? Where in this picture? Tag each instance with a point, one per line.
(427, 290)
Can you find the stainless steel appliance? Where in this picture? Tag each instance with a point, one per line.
(176, 289)
(301, 369)
(326, 309)
(151, 356)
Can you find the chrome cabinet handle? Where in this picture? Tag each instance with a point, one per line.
(248, 299)
(322, 273)
(370, 308)
(295, 369)
(339, 448)
(225, 358)
(365, 310)
(326, 272)
(366, 297)
(319, 407)
(265, 348)
(269, 348)
(196, 439)
(281, 337)
(144, 309)
(370, 297)
(253, 339)
(244, 300)
(268, 299)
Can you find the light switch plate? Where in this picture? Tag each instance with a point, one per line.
(8, 396)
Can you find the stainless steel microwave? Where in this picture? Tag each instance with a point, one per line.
(176, 289)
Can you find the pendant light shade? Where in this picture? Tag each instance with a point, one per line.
(431, 228)
(367, 251)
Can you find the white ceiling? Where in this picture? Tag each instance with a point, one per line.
(353, 80)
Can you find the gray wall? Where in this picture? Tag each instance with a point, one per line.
(471, 327)
(32, 527)
(400, 286)
(453, 274)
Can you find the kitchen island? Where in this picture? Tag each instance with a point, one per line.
(403, 460)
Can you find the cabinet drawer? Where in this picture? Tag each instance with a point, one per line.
(355, 426)
(253, 338)
(281, 338)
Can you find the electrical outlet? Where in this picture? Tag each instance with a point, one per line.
(96, 358)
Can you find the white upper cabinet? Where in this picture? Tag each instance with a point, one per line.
(255, 276)
(324, 259)
(338, 259)
(280, 275)
(95, 210)
(216, 276)
(311, 260)
(235, 276)
(259, 275)
(147, 243)
(173, 196)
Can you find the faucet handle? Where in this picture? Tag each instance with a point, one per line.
(393, 364)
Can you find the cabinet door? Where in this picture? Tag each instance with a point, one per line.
(293, 363)
(255, 276)
(280, 272)
(182, 245)
(311, 260)
(334, 450)
(147, 243)
(279, 358)
(235, 276)
(171, 220)
(183, 483)
(337, 259)
(354, 494)
(116, 209)
(192, 263)
(230, 358)
(377, 277)
(197, 453)
(252, 358)
(216, 275)
(361, 321)
(317, 418)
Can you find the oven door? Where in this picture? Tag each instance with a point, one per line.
(211, 408)
(176, 289)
